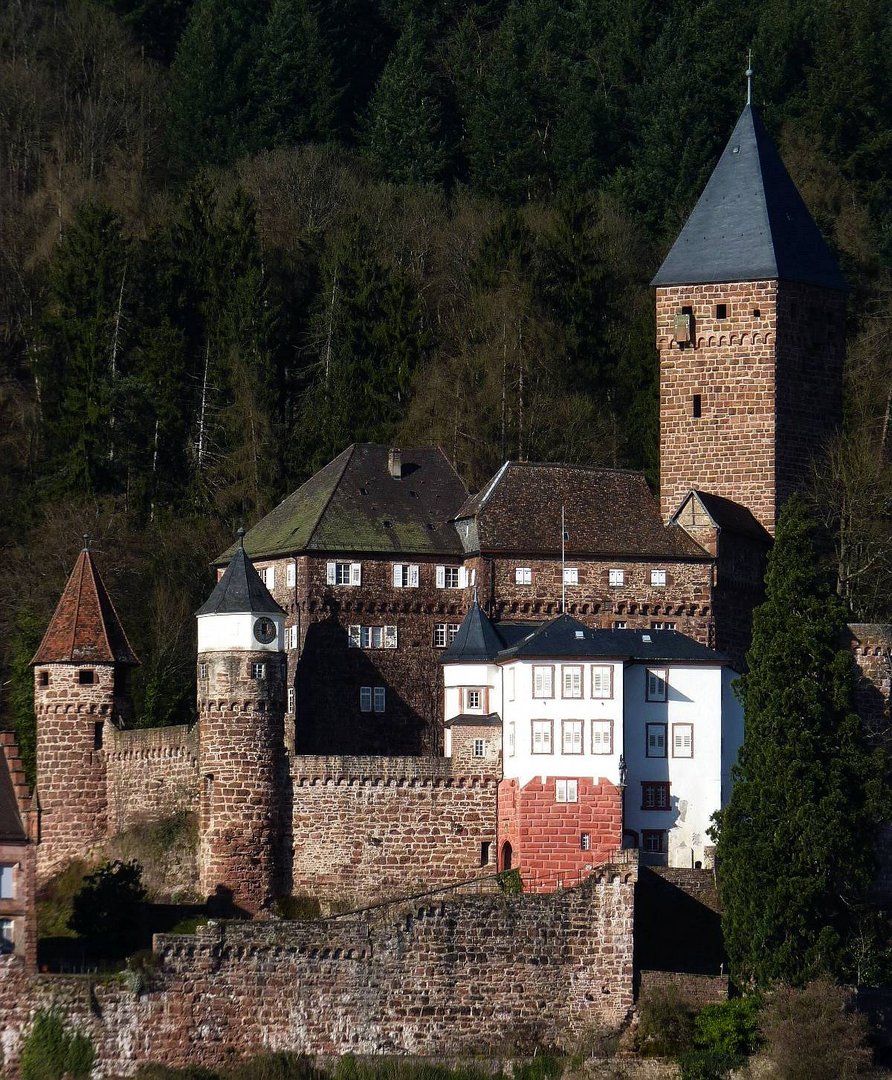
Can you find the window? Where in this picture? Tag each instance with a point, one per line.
(451, 577)
(571, 575)
(7, 870)
(202, 671)
(86, 677)
(372, 637)
(523, 575)
(380, 698)
(258, 671)
(696, 406)
(372, 698)
(656, 684)
(444, 634)
(654, 794)
(654, 841)
(682, 740)
(585, 841)
(602, 736)
(451, 630)
(509, 740)
(479, 748)
(43, 678)
(620, 624)
(571, 677)
(98, 735)
(602, 681)
(474, 700)
(291, 637)
(7, 936)
(291, 574)
(365, 699)
(658, 577)
(571, 736)
(663, 626)
(615, 578)
(566, 791)
(344, 573)
(656, 740)
(543, 681)
(405, 576)
(485, 846)
(269, 576)
(721, 311)
(541, 736)
(291, 701)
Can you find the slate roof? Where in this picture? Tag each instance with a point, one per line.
(240, 589)
(750, 223)
(353, 504)
(566, 637)
(607, 512)
(728, 515)
(85, 627)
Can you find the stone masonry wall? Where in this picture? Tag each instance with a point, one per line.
(446, 975)
(367, 827)
(152, 773)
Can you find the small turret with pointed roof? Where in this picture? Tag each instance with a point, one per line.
(750, 329)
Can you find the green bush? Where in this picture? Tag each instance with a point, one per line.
(730, 1028)
(164, 1072)
(510, 882)
(665, 1024)
(50, 1051)
(106, 912)
(708, 1064)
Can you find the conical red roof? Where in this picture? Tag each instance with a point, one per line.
(85, 628)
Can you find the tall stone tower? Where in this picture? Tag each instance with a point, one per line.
(80, 684)
(750, 330)
(241, 733)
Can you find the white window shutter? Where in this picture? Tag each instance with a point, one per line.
(291, 574)
(389, 637)
(354, 632)
(462, 577)
(441, 577)
(331, 573)
(397, 575)
(413, 577)
(356, 573)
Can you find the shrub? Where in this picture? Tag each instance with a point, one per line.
(50, 1051)
(665, 1024)
(812, 1034)
(275, 1066)
(510, 882)
(707, 1064)
(106, 912)
(730, 1028)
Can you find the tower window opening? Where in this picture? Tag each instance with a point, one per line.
(757, 314)
(697, 406)
(43, 678)
(86, 677)
(484, 852)
(721, 311)
(97, 736)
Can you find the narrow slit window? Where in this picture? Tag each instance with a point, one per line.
(721, 311)
(697, 406)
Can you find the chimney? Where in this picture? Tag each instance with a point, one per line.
(395, 463)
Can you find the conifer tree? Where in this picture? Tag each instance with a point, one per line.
(795, 843)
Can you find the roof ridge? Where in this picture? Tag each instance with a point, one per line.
(77, 604)
(103, 621)
(348, 453)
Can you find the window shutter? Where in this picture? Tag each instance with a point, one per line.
(441, 577)
(462, 577)
(413, 577)
(291, 574)
(354, 633)
(331, 573)
(397, 575)
(356, 573)
(389, 637)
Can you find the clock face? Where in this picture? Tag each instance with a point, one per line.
(264, 631)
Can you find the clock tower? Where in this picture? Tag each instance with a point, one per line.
(241, 731)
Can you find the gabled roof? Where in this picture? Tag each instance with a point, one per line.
(476, 639)
(240, 589)
(725, 514)
(353, 504)
(85, 628)
(750, 223)
(13, 790)
(607, 512)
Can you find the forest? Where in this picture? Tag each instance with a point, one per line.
(236, 235)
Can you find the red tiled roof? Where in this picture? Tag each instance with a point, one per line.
(85, 628)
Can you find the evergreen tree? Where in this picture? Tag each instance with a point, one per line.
(795, 843)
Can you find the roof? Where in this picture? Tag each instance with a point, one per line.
(750, 223)
(240, 589)
(727, 515)
(476, 638)
(85, 627)
(11, 825)
(609, 512)
(354, 504)
(474, 720)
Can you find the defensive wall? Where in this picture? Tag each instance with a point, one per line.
(444, 974)
(151, 773)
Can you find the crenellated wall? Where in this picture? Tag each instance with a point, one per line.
(152, 773)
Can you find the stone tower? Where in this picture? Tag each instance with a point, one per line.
(241, 734)
(80, 684)
(750, 329)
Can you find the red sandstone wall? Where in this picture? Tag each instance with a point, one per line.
(152, 774)
(544, 835)
(446, 975)
(370, 827)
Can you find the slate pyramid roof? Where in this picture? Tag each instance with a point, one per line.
(750, 223)
(477, 639)
(240, 589)
(85, 628)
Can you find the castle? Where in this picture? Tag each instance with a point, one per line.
(316, 765)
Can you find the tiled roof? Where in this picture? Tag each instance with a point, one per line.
(239, 589)
(12, 791)
(728, 515)
(354, 504)
(85, 628)
(750, 223)
(607, 512)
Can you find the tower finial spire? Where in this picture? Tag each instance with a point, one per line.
(86, 541)
(749, 76)
(240, 533)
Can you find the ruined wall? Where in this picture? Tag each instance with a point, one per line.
(152, 773)
(871, 646)
(448, 975)
(366, 827)
(696, 991)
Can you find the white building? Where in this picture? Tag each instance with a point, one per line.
(648, 714)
